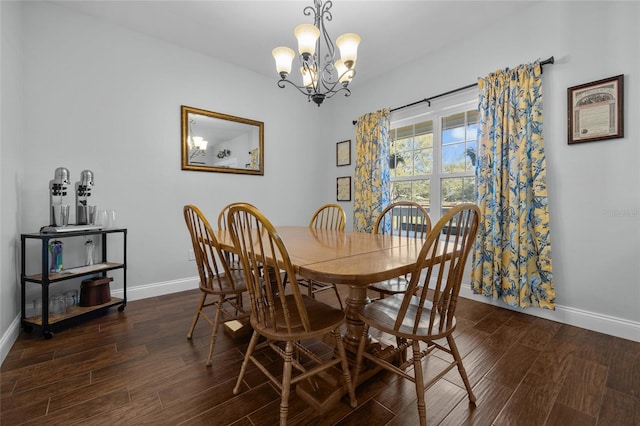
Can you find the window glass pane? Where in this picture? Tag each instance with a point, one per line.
(400, 145)
(423, 162)
(453, 158)
(453, 129)
(400, 191)
(459, 142)
(418, 191)
(421, 193)
(424, 141)
(401, 164)
(457, 190)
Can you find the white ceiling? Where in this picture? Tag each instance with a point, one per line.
(393, 32)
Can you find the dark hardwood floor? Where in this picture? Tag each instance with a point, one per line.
(137, 367)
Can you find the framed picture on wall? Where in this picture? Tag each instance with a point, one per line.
(343, 188)
(596, 110)
(343, 153)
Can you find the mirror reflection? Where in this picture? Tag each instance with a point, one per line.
(215, 142)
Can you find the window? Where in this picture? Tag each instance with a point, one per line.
(432, 156)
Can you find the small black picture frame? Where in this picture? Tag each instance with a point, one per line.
(343, 188)
(343, 153)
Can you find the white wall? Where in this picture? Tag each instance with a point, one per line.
(594, 199)
(11, 141)
(103, 98)
(106, 99)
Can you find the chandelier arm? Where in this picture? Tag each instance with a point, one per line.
(301, 89)
(344, 89)
(331, 89)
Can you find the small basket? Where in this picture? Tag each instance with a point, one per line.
(95, 291)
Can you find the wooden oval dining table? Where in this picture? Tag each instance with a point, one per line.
(355, 259)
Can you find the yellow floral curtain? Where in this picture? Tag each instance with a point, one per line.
(371, 181)
(512, 254)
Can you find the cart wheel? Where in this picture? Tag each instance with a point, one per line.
(48, 334)
(121, 308)
(28, 328)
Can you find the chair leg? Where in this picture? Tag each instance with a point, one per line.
(335, 288)
(461, 370)
(419, 378)
(286, 383)
(345, 367)
(361, 346)
(245, 363)
(401, 356)
(197, 315)
(214, 332)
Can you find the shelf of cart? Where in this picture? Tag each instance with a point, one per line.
(72, 311)
(79, 271)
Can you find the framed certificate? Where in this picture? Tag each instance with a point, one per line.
(343, 153)
(343, 188)
(596, 110)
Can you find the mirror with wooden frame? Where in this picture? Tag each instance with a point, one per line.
(215, 142)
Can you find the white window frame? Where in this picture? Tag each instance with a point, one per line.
(442, 107)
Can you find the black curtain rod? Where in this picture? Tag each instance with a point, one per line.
(459, 89)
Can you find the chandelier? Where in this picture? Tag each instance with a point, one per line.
(322, 76)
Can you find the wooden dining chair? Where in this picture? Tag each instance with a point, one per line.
(405, 219)
(283, 318)
(329, 216)
(426, 316)
(216, 278)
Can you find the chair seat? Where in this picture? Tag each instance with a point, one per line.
(382, 314)
(392, 286)
(224, 286)
(322, 317)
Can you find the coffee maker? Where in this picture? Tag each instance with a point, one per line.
(57, 192)
(85, 214)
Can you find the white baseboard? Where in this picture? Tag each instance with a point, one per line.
(8, 339)
(571, 316)
(564, 314)
(146, 291)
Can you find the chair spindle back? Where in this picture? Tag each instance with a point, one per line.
(405, 219)
(261, 249)
(210, 260)
(443, 255)
(329, 216)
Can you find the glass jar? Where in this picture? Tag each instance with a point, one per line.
(90, 252)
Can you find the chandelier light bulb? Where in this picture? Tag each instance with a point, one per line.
(348, 45)
(284, 57)
(344, 74)
(307, 36)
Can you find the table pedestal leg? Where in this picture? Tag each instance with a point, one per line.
(329, 388)
(356, 300)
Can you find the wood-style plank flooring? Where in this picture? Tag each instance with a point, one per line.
(137, 367)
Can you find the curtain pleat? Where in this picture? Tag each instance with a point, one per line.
(512, 254)
(371, 181)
